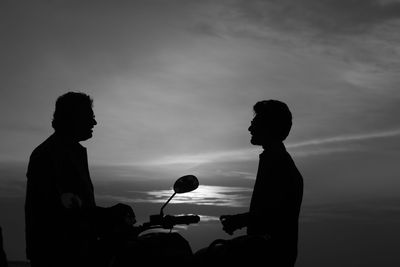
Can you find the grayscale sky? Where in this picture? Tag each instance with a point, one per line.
(174, 83)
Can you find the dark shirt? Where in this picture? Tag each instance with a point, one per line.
(276, 200)
(3, 257)
(56, 166)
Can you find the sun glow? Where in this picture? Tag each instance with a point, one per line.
(208, 195)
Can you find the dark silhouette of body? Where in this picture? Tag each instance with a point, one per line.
(62, 219)
(278, 190)
(3, 258)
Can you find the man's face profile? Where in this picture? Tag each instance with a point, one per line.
(257, 131)
(84, 123)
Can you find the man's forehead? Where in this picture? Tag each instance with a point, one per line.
(84, 110)
(263, 117)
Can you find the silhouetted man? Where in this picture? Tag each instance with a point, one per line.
(3, 257)
(60, 209)
(278, 190)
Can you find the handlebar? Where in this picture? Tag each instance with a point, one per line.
(182, 219)
(169, 221)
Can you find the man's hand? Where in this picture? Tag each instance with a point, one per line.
(70, 200)
(124, 214)
(231, 223)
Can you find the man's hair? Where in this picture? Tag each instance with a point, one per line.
(276, 116)
(68, 107)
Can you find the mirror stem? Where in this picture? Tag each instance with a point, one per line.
(161, 212)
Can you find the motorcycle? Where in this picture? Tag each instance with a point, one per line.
(154, 248)
(133, 246)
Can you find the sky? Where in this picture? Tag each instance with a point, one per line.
(174, 83)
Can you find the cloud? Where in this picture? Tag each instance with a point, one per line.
(316, 146)
(312, 18)
(362, 31)
(203, 158)
(204, 195)
(332, 17)
(346, 138)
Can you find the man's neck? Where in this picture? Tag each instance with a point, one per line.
(66, 138)
(273, 145)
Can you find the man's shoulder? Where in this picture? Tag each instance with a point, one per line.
(40, 157)
(278, 160)
(44, 149)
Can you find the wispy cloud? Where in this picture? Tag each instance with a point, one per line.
(207, 195)
(202, 158)
(302, 148)
(321, 16)
(345, 138)
(362, 31)
(315, 20)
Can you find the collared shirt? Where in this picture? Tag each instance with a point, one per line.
(276, 200)
(55, 167)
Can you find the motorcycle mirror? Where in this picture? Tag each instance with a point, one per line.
(186, 184)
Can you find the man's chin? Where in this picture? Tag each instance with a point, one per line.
(86, 137)
(255, 142)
